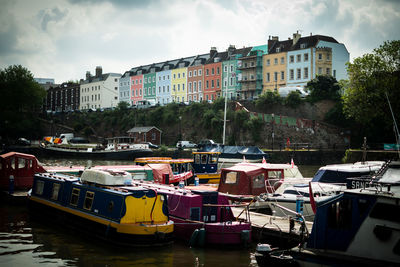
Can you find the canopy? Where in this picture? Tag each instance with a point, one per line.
(159, 169)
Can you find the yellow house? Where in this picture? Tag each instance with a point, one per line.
(178, 84)
(274, 71)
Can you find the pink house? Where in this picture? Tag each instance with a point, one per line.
(136, 88)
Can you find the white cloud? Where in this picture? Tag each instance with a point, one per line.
(63, 39)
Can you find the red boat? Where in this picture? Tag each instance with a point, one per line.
(17, 170)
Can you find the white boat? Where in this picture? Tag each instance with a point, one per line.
(359, 227)
(328, 181)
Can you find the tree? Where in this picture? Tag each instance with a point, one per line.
(293, 99)
(267, 99)
(20, 102)
(323, 87)
(374, 78)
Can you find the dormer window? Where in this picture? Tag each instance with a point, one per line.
(303, 45)
(278, 49)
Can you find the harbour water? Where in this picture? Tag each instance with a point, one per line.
(26, 242)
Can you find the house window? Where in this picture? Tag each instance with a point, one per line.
(87, 204)
(199, 72)
(305, 73)
(319, 56)
(225, 68)
(153, 136)
(194, 86)
(282, 60)
(306, 57)
(218, 70)
(319, 70)
(328, 71)
(268, 62)
(74, 196)
(212, 71)
(282, 75)
(199, 86)
(212, 83)
(291, 72)
(268, 77)
(231, 67)
(207, 72)
(276, 61)
(190, 73)
(298, 74)
(328, 57)
(194, 73)
(291, 59)
(298, 58)
(275, 76)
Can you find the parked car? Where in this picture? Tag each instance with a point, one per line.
(23, 142)
(151, 145)
(206, 142)
(185, 144)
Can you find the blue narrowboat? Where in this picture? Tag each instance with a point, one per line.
(97, 204)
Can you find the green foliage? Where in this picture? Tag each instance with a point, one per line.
(372, 76)
(20, 102)
(323, 87)
(256, 126)
(335, 116)
(267, 99)
(122, 106)
(293, 99)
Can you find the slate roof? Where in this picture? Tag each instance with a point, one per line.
(309, 41)
(144, 129)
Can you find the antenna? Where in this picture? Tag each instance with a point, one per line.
(396, 129)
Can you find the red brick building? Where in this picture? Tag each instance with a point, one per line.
(146, 134)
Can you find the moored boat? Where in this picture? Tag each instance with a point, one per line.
(203, 217)
(97, 204)
(359, 227)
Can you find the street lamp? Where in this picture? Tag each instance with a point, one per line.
(273, 134)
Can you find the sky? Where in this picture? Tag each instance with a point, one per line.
(62, 39)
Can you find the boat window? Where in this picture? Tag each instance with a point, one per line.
(195, 214)
(39, 187)
(259, 181)
(56, 189)
(110, 206)
(275, 175)
(21, 163)
(231, 178)
(384, 211)
(74, 196)
(203, 159)
(197, 159)
(213, 158)
(339, 214)
(12, 163)
(87, 204)
(396, 249)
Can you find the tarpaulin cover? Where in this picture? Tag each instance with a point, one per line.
(235, 151)
(159, 170)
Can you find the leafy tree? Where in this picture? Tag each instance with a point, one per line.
(323, 87)
(374, 78)
(20, 102)
(293, 99)
(268, 98)
(256, 126)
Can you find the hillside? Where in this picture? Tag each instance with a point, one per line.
(198, 121)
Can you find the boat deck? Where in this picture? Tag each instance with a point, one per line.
(272, 229)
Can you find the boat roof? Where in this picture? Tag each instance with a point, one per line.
(17, 154)
(163, 160)
(106, 177)
(354, 167)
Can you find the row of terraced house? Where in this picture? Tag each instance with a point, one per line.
(242, 73)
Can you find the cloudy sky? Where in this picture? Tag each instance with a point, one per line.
(62, 39)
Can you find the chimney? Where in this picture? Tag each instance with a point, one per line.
(296, 37)
(99, 71)
(213, 52)
(272, 41)
(88, 75)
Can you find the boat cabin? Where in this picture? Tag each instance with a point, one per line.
(205, 165)
(21, 167)
(250, 180)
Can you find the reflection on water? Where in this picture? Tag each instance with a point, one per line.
(24, 242)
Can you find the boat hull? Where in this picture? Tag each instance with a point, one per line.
(49, 212)
(127, 154)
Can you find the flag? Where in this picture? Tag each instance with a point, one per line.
(292, 163)
(264, 161)
(312, 200)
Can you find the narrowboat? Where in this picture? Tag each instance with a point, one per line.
(205, 165)
(359, 227)
(98, 205)
(203, 217)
